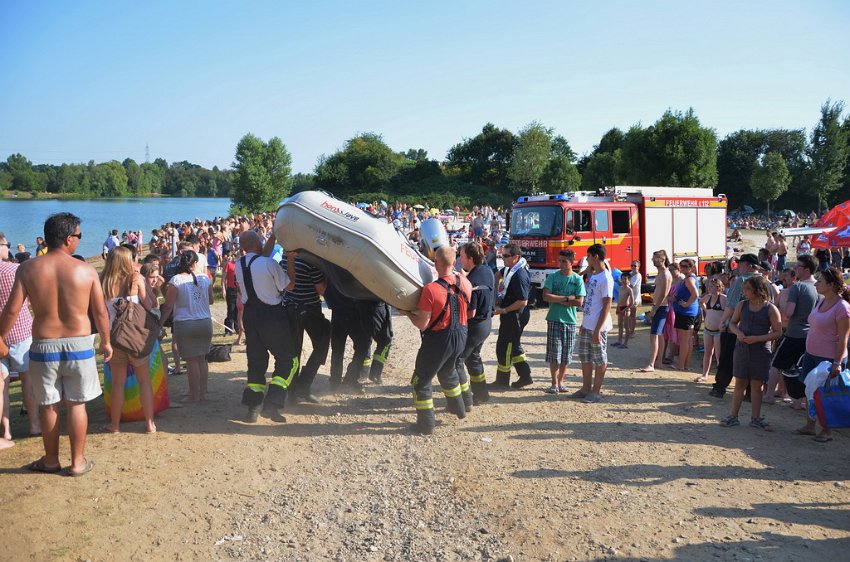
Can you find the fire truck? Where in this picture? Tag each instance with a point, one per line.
(631, 222)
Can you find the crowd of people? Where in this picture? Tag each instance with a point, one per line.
(734, 314)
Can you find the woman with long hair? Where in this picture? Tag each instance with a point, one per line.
(829, 328)
(189, 297)
(119, 279)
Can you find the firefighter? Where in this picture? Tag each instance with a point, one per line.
(261, 281)
(345, 323)
(441, 316)
(376, 320)
(480, 321)
(514, 315)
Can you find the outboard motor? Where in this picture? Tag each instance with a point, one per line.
(432, 235)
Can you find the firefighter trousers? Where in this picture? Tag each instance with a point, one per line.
(376, 320)
(437, 356)
(345, 323)
(475, 390)
(509, 350)
(267, 331)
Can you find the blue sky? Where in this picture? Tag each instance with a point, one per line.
(100, 80)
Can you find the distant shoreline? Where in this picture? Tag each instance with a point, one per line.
(28, 196)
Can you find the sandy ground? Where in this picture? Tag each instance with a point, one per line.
(648, 474)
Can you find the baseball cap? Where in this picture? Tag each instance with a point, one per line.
(751, 259)
(765, 265)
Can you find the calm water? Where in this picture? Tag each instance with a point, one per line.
(23, 220)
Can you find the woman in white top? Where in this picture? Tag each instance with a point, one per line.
(189, 296)
(120, 280)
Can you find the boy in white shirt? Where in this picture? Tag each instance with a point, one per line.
(595, 324)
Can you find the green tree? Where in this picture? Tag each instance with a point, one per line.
(560, 175)
(261, 174)
(134, 176)
(597, 169)
(739, 153)
(770, 178)
(365, 164)
(530, 158)
(676, 150)
(483, 159)
(828, 152)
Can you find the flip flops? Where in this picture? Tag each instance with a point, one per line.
(89, 466)
(39, 466)
(822, 438)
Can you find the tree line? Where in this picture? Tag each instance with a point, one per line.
(114, 179)
(778, 167)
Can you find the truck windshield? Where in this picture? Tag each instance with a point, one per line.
(543, 221)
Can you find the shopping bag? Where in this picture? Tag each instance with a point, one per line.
(832, 401)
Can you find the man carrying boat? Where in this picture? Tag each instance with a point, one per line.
(261, 283)
(441, 316)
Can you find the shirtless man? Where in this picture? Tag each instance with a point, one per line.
(62, 364)
(658, 314)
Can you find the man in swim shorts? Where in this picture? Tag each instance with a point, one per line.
(62, 364)
(658, 314)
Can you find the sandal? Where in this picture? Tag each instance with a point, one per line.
(822, 438)
(667, 361)
(89, 466)
(563, 389)
(551, 390)
(39, 466)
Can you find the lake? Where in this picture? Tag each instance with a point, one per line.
(21, 220)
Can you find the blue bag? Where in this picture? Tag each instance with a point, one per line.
(832, 401)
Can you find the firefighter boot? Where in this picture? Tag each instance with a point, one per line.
(480, 394)
(425, 422)
(455, 405)
(503, 381)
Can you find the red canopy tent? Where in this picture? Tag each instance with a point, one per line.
(839, 218)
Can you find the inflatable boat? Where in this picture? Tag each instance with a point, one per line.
(364, 257)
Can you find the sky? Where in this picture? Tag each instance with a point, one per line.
(94, 80)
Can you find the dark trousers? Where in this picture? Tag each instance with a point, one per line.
(509, 347)
(230, 296)
(724, 366)
(437, 356)
(311, 320)
(476, 334)
(376, 320)
(345, 324)
(267, 332)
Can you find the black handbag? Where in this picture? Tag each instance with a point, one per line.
(219, 353)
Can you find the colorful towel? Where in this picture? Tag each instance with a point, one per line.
(132, 410)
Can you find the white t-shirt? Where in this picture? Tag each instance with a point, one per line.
(634, 283)
(600, 286)
(193, 301)
(270, 279)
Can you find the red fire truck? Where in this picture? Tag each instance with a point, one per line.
(631, 222)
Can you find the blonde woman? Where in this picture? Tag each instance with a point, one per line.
(120, 280)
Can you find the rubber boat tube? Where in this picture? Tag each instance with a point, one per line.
(364, 257)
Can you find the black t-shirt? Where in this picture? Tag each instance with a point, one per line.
(482, 298)
(518, 289)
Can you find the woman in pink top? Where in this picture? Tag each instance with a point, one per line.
(829, 327)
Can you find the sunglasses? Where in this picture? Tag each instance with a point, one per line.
(6, 244)
(78, 236)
